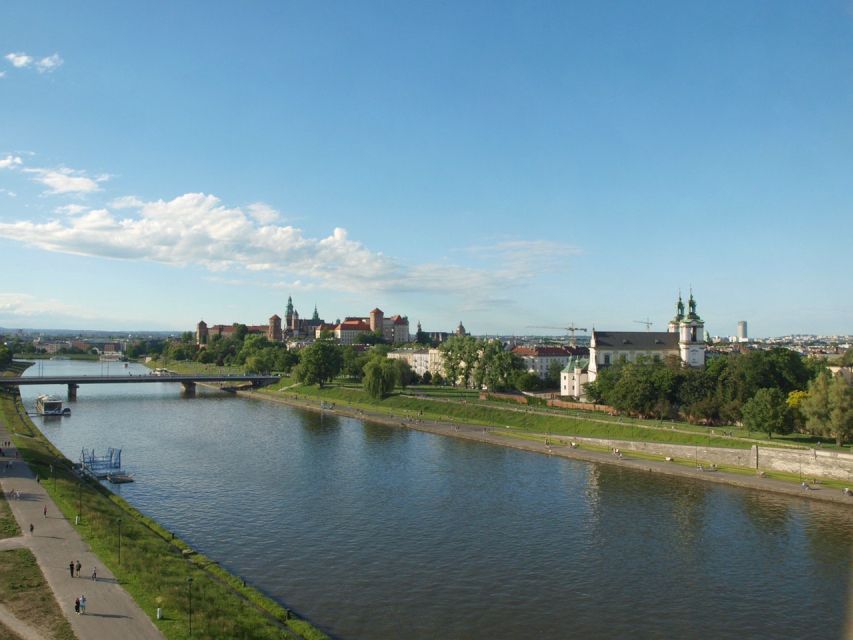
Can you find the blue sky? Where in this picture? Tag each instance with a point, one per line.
(506, 164)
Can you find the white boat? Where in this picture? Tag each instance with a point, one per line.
(51, 406)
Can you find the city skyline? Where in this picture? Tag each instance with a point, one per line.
(498, 164)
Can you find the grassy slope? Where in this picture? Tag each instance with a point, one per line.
(24, 591)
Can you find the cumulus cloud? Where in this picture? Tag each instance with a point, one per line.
(2, 74)
(126, 202)
(65, 180)
(19, 60)
(70, 209)
(10, 162)
(241, 244)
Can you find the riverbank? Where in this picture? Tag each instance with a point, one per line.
(154, 566)
(561, 447)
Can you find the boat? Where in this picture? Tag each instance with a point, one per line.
(51, 406)
(119, 478)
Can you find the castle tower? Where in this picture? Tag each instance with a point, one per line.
(376, 320)
(679, 316)
(316, 317)
(288, 314)
(294, 322)
(691, 336)
(201, 333)
(460, 330)
(274, 331)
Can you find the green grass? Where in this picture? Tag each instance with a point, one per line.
(8, 525)
(25, 593)
(153, 568)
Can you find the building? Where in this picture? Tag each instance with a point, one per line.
(741, 332)
(684, 339)
(540, 359)
(204, 333)
(418, 359)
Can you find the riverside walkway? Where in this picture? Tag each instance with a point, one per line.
(111, 612)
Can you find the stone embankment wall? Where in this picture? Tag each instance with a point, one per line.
(552, 401)
(811, 462)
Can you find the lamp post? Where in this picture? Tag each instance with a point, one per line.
(119, 540)
(80, 498)
(190, 597)
(53, 475)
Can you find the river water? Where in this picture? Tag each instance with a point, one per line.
(376, 532)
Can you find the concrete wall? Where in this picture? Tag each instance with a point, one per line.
(812, 462)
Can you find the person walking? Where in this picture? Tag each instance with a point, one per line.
(83, 605)
(94, 575)
(71, 568)
(31, 528)
(45, 511)
(77, 606)
(78, 568)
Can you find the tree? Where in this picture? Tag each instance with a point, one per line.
(815, 406)
(320, 362)
(841, 409)
(380, 375)
(405, 375)
(5, 356)
(767, 411)
(847, 358)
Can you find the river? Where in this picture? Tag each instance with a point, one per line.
(377, 532)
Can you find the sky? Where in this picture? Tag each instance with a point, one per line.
(510, 165)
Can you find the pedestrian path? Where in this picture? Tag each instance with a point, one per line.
(110, 613)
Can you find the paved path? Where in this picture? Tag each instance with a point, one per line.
(110, 613)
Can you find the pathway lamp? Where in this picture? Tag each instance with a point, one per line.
(118, 522)
(80, 498)
(190, 598)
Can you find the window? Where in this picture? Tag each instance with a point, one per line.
(606, 359)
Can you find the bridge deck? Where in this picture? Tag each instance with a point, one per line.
(34, 380)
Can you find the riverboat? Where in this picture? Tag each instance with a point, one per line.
(51, 406)
(119, 478)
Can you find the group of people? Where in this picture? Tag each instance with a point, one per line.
(80, 605)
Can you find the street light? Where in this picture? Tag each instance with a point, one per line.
(190, 597)
(119, 540)
(80, 498)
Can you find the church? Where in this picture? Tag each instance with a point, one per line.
(684, 339)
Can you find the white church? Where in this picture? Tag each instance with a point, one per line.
(684, 338)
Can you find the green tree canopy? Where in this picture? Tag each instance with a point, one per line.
(320, 362)
(767, 411)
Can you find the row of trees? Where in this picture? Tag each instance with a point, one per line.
(774, 391)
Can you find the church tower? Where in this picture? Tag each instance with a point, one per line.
(679, 316)
(691, 336)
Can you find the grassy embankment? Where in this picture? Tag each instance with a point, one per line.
(154, 566)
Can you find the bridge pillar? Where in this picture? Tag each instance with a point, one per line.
(189, 388)
(72, 391)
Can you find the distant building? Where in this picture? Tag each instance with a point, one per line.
(540, 359)
(741, 331)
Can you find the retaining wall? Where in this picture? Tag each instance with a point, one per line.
(810, 462)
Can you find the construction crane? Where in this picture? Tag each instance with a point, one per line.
(570, 329)
(646, 322)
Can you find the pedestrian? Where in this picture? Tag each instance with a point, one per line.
(94, 575)
(78, 568)
(31, 528)
(83, 605)
(71, 568)
(45, 511)
(77, 606)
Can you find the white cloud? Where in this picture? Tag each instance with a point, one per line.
(70, 209)
(10, 162)
(49, 64)
(27, 305)
(42, 65)
(197, 229)
(2, 74)
(19, 60)
(64, 180)
(263, 213)
(126, 202)
(11, 194)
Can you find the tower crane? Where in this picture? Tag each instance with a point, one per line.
(570, 329)
(646, 322)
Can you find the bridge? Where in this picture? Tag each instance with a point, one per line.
(188, 381)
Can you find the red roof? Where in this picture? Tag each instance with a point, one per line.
(353, 325)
